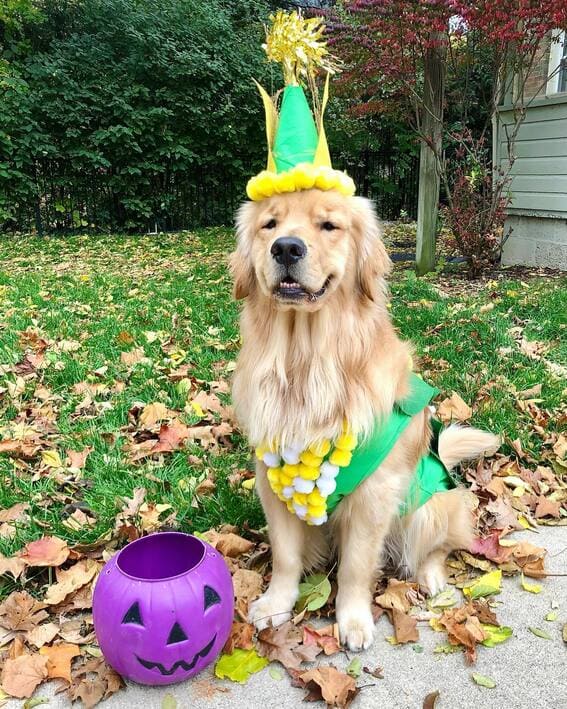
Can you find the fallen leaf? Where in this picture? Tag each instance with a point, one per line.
(232, 545)
(486, 585)
(47, 551)
(11, 565)
(336, 688)
(405, 627)
(21, 612)
(540, 633)
(247, 586)
(495, 634)
(241, 636)
(70, 580)
(397, 595)
(378, 672)
(59, 659)
(326, 638)
(431, 700)
(51, 459)
(21, 676)
(531, 587)
(153, 413)
(483, 681)
(454, 409)
(314, 592)
(279, 644)
(133, 356)
(239, 665)
(354, 668)
(169, 702)
(42, 634)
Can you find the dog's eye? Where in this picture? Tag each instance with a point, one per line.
(328, 226)
(270, 225)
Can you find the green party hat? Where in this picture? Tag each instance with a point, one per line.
(298, 154)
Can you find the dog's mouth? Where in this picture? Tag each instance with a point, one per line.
(288, 289)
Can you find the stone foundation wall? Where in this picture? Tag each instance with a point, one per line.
(536, 241)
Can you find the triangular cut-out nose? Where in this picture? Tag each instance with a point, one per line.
(176, 635)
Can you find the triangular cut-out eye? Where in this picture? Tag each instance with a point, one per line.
(176, 635)
(133, 615)
(211, 597)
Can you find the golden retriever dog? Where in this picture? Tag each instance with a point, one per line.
(319, 348)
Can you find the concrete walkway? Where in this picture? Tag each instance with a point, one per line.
(530, 672)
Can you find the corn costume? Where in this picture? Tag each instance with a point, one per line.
(312, 481)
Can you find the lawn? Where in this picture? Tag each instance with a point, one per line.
(107, 343)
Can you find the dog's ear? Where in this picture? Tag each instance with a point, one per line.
(373, 262)
(241, 259)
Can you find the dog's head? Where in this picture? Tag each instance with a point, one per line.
(299, 248)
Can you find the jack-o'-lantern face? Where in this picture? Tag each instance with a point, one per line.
(177, 636)
(163, 608)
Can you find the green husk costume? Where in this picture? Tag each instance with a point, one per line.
(312, 481)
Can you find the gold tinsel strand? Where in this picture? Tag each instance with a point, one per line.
(295, 43)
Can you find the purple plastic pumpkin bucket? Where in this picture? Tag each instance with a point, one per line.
(163, 608)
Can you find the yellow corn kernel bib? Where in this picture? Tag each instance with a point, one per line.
(304, 486)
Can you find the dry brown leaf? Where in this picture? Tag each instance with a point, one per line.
(247, 586)
(70, 580)
(59, 660)
(326, 638)
(15, 513)
(398, 595)
(229, 544)
(47, 551)
(133, 356)
(42, 634)
(279, 644)
(547, 508)
(454, 409)
(336, 688)
(153, 413)
(21, 612)
(11, 565)
(77, 459)
(21, 676)
(241, 636)
(405, 627)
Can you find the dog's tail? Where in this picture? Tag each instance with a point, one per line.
(458, 443)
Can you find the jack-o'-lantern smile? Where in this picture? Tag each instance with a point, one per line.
(187, 666)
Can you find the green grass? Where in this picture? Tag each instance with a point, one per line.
(108, 293)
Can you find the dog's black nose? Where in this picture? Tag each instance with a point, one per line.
(288, 250)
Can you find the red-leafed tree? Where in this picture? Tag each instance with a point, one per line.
(404, 52)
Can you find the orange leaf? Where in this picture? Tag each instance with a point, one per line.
(22, 675)
(59, 659)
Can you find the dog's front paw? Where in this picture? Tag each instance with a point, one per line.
(432, 577)
(270, 609)
(356, 627)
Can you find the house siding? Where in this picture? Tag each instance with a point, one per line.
(537, 215)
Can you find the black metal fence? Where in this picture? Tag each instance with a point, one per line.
(68, 201)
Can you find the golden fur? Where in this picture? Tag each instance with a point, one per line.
(307, 365)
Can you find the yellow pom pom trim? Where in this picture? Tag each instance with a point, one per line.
(304, 176)
(273, 475)
(311, 507)
(315, 498)
(291, 471)
(340, 458)
(309, 473)
(309, 459)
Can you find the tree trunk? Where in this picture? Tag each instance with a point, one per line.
(431, 130)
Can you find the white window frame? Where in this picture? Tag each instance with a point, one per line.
(556, 56)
